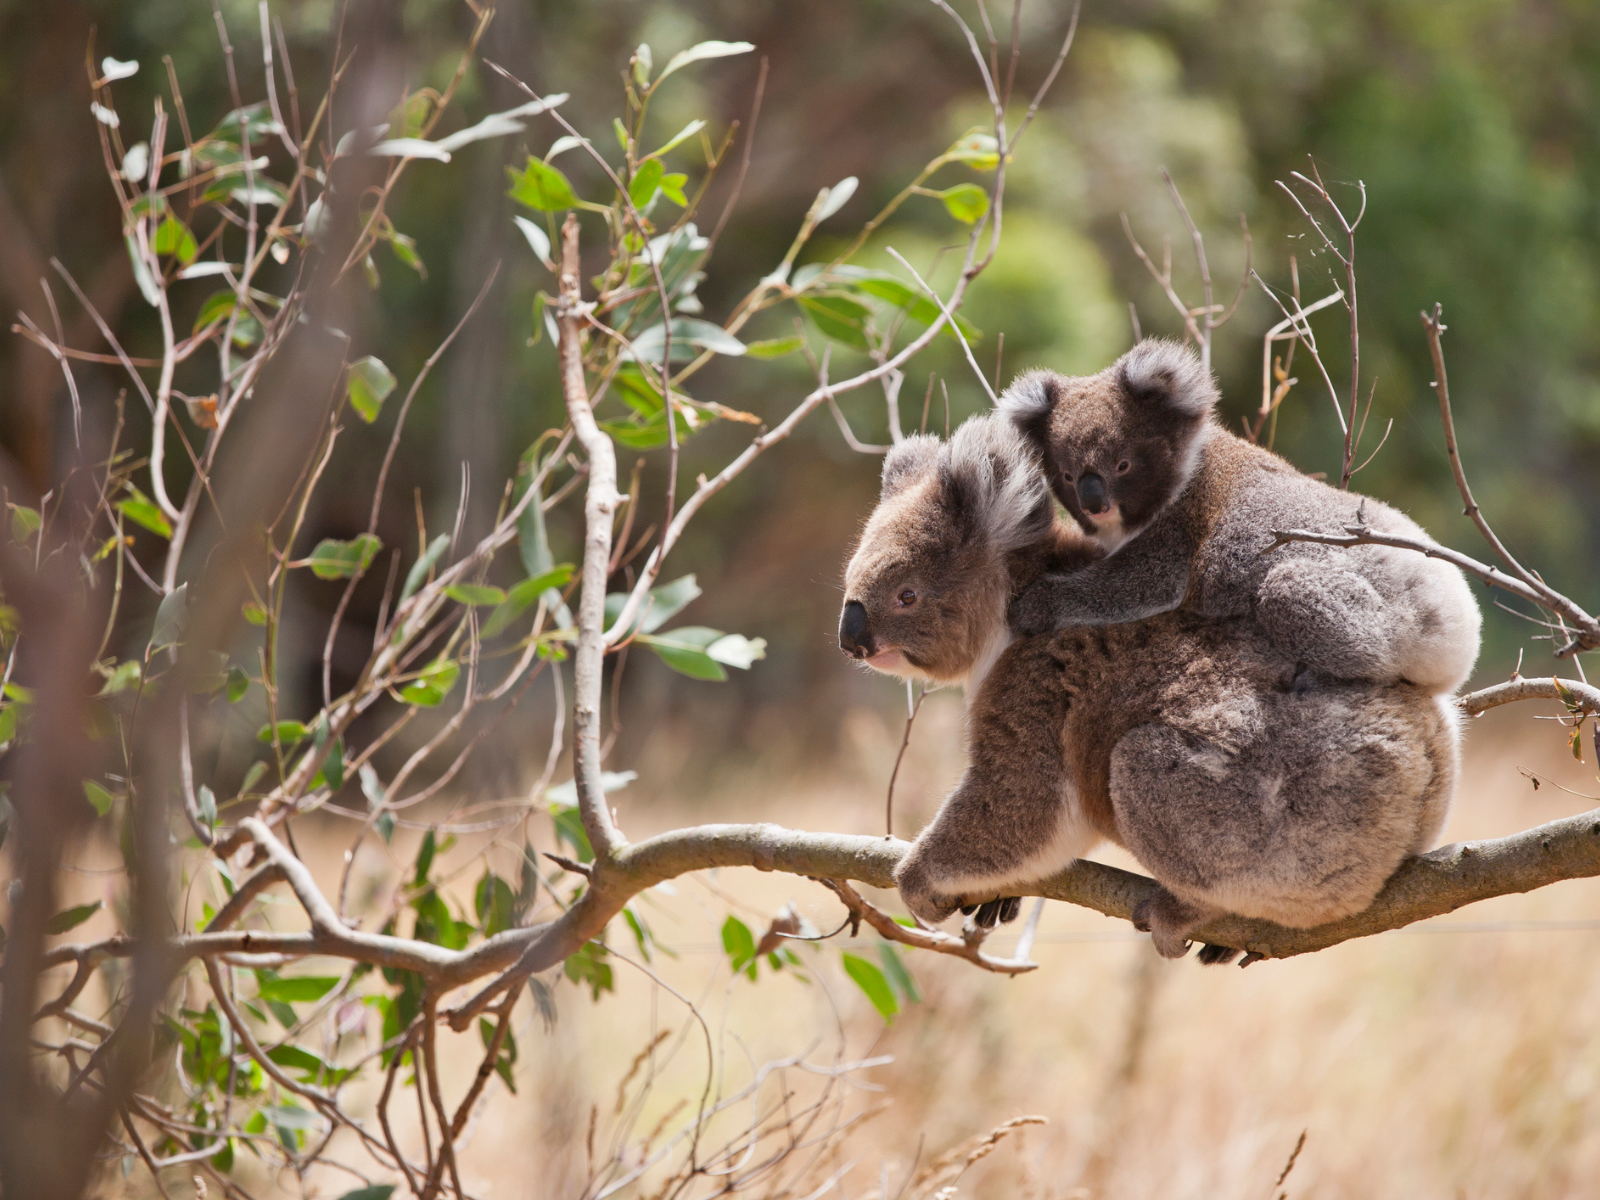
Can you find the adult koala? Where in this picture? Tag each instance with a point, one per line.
(1184, 738)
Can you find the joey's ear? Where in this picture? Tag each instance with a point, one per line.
(1165, 374)
(907, 462)
(1027, 404)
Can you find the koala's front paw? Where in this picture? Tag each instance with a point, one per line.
(1032, 610)
(921, 896)
(993, 912)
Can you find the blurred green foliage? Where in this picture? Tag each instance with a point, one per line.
(1474, 124)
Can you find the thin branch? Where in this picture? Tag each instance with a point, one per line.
(1434, 325)
(968, 947)
(600, 505)
(1585, 634)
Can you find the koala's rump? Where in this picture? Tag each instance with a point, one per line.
(1300, 824)
(1190, 747)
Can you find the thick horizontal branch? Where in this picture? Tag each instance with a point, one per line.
(1427, 886)
(1585, 632)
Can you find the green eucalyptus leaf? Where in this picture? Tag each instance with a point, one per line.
(839, 318)
(493, 901)
(419, 570)
(660, 606)
(738, 943)
(978, 150)
(336, 559)
(475, 594)
(297, 989)
(966, 202)
(377, 1191)
(25, 523)
(369, 382)
(121, 679)
(688, 334)
(686, 650)
(173, 237)
(139, 509)
(521, 598)
(870, 980)
(703, 51)
(99, 799)
(172, 618)
(672, 188)
(541, 186)
(430, 688)
(642, 188)
(287, 733)
(774, 347)
(898, 974)
(71, 918)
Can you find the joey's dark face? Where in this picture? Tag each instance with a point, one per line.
(922, 591)
(1116, 453)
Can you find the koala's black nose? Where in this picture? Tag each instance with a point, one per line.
(855, 637)
(1092, 494)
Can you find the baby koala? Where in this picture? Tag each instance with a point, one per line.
(1184, 509)
(1179, 737)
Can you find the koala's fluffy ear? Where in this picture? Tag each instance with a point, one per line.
(1027, 403)
(907, 461)
(1166, 374)
(991, 485)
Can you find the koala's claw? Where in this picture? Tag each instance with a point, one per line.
(1167, 920)
(994, 912)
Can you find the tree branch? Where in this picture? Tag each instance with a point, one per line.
(968, 946)
(600, 505)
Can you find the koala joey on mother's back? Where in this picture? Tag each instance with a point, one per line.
(1183, 509)
(1179, 737)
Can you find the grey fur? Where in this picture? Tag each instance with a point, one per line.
(906, 459)
(1164, 370)
(1187, 739)
(1203, 508)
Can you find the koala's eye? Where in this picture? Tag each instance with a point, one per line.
(907, 598)
(1066, 476)
(1122, 467)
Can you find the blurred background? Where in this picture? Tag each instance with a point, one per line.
(1475, 127)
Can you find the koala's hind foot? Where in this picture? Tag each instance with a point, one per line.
(1216, 956)
(993, 912)
(1169, 921)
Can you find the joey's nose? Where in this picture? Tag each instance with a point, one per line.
(1092, 495)
(855, 638)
